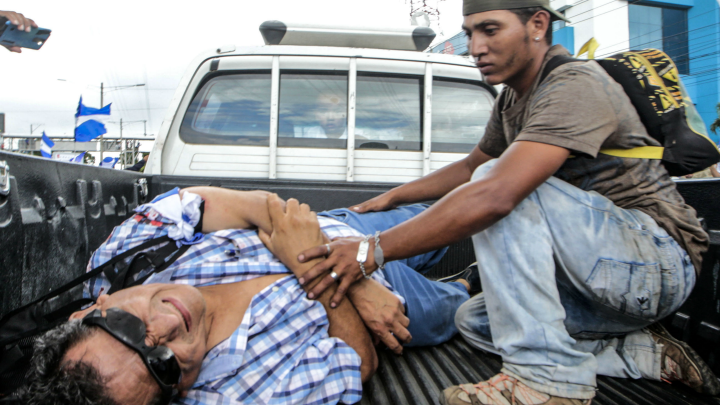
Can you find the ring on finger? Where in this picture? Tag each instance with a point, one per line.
(334, 275)
(327, 246)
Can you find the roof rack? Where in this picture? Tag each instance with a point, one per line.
(405, 39)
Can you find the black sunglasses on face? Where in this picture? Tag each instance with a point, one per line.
(131, 331)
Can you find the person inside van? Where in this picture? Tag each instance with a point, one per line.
(228, 321)
(580, 252)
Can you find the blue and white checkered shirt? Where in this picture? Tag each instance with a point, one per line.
(281, 353)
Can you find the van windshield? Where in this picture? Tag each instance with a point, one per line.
(459, 115)
(232, 109)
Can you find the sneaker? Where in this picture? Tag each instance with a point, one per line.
(502, 390)
(471, 274)
(681, 363)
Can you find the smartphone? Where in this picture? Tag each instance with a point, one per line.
(12, 36)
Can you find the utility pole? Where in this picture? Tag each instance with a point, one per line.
(102, 88)
(144, 127)
(122, 147)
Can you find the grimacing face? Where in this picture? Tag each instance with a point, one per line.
(500, 44)
(175, 316)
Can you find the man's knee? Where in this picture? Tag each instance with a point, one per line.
(482, 169)
(471, 318)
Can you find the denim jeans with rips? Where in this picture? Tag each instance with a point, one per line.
(430, 305)
(569, 282)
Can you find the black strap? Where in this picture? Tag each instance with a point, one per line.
(35, 317)
(554, 63)
(30, 319)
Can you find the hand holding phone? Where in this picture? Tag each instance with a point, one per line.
(20, 23)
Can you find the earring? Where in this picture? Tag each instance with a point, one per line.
(537, 39)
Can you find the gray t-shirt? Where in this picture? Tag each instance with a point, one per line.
(581, 108)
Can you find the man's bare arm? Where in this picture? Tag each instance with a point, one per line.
(233, 209)
(465, 211)
(430, 187)
(294, 228)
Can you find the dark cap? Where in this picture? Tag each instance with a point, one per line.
(479, 6)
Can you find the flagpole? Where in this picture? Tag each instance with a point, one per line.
(101, 106)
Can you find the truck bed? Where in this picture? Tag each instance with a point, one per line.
(56, 214)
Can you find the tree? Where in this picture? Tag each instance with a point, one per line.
(88, 159)
(716, 124)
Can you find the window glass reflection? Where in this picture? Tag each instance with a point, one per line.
(313, 106)
(460, 112)
(231, 109)
(388, 111)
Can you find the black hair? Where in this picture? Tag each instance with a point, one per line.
(52, 380)
(525, 14)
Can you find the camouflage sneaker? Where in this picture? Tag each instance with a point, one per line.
(502, 390)
(681, 363)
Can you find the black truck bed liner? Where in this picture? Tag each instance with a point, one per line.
(420, 374)
(56, 214)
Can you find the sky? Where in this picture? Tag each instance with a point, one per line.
(152, 42)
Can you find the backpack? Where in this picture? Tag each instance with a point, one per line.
(652, 82)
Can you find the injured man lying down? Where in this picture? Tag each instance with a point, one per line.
(228, 321)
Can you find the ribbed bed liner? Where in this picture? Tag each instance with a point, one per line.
(420, 375)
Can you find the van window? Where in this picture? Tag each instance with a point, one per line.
(460, 111)
(313, 110)
(230, 109)
(388, 111)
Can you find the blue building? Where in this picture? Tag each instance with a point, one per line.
(687, 30)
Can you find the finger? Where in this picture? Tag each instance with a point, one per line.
(313, 253)
(265, 238)
(15, 49)
(12, 17)
(402, 334)
(404, 320)
(320, 288)
(275, 207)
(33, 23)
(317, 270)
(292, 206)
(337, 298)
(359, 208)
(391, 342)
(304, 208)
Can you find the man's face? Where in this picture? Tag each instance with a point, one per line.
(331, 113)
(500, 44)
(174, 316)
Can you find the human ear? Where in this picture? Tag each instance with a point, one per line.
(81, 314)
(539, 24)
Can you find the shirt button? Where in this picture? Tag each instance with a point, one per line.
(275, 289)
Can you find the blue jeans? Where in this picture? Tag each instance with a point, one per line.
(429, 305)
(570, 280)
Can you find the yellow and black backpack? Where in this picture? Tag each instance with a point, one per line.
(651, 81)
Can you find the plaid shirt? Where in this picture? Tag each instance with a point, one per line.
(281, 353)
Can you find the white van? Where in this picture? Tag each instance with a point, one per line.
(305, 107)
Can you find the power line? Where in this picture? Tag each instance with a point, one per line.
(597, 15)
(630, 39)
(649, 42)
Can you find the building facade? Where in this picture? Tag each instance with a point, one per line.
(687, 30)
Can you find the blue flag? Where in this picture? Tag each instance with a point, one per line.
(46, 146)
(109, 162)
(89, 122)
(78, 158)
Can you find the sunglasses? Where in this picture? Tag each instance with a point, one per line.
(131, 331)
